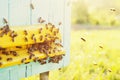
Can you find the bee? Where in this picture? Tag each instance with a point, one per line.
(46, 40)
(30, 50)
(9, 59)
(59, 50)
(40, 20)
(113, 9)
(55, 59)
(41, 37)
(49, 23)
(42, 61)
(59, 69)
(101, 47)
(83, 39)
(0, 63)
(15, 53)
(54, 51)
(26, 40)
(49, 60)
(60, 57)
(0, 58)
(51, 29)
(109, 70)
(18, 46)
(27, 62)
(44, 51)
(63, 54)
(13, 40)
(60, 45)
(13, 34)
(41, 51)
(32, 7)
(34, 40)
(60, 23)
(5, 20)
(31, 56)
(1, 34)
(40, 30)
(55, 33)
(36, 59)
(5, 53)
(1, 28)
(46, 26)
(49, 52)
(25, 32)
(46, 35)
(5, 30)
(32, 37)
(53, 26)
(23, 60)
(57, 30)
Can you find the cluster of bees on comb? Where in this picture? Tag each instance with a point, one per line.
(21, 45)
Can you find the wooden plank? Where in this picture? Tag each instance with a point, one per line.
(16, 72)
(52, 12)
(66, 31)
(60, 16)
(29, 69)
(37, 68)
(56, 14)
(3, 11)
(21, 71)
(13, 73)
(44, 76)
(57, 11)
(4, 74)
(19, 12)
(40, 10)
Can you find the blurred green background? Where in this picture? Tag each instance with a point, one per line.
(96, 12)
(95, 42)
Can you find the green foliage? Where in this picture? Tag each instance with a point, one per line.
(80, 12)
(96, 12)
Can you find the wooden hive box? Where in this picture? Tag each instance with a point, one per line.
(20, 13)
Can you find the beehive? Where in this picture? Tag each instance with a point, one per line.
(29, 24)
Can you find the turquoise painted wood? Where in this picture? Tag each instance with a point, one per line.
(18, 12)
(17, 72)
(41, 9)
(5, 74)
(66, 30)
(29, 70)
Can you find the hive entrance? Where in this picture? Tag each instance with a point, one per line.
(25, 44)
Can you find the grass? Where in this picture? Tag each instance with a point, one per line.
(97, 58)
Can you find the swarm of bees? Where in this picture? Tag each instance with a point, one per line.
(26, 45)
